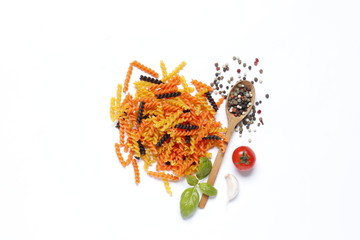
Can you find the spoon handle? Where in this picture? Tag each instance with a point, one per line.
(218, 160)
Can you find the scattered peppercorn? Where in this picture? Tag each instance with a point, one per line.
(238, 105)
(261, 121)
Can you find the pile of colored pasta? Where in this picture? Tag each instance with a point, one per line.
(166, 123)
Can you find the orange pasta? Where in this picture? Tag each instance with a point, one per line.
(140, 67)
(119, 155)
(136, 171)
(220, 101)
(163, 175)
(145, 69)
(201, 86)
(164, 125)
(127, 78)
(122, 126)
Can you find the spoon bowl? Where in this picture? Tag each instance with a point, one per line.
(233, 120)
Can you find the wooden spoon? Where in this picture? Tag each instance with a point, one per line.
(232, 122)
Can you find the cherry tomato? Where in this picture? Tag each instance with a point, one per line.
(243, 158)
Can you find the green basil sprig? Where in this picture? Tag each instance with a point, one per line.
(190, 197)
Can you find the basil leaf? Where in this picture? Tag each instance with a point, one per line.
(189, 202)
(191, 180)
(207, 189)
(204, 168)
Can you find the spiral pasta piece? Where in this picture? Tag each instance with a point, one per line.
(185, 85)
(173, 83)
(220, 101)
(167, 90)
(201, 86)
(145, 69)
(170, 108)
(119, 155)
(151, 80)
(122, 127)
(173, 73)
(182, 133)
(127, 78)
(163, 175)
(112, 109)
(136, 170)
(163, 68)
(167, 186)
(118, 96)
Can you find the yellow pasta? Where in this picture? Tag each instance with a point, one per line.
(112, 109)
(167, 186)
(185, 85)
(118, 97)
(163, 69)
(173, 73)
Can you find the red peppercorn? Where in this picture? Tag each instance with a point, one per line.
(259, 111)
(256, 61)
(239, 70)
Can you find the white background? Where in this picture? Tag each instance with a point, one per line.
(60, 62)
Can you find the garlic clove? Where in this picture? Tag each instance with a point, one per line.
(232, 186)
